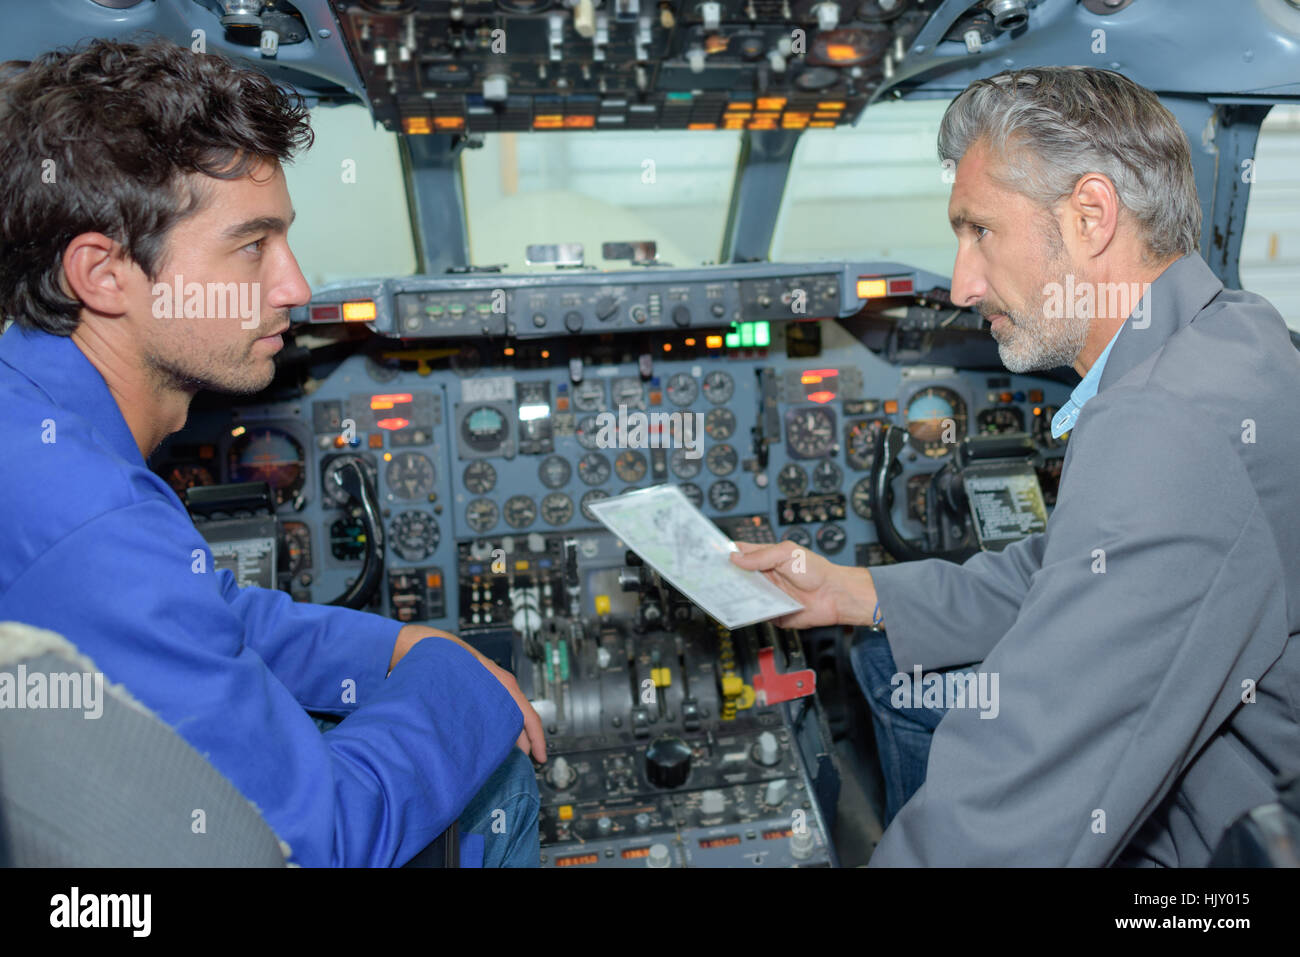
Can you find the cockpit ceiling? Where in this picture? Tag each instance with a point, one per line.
(453, 66)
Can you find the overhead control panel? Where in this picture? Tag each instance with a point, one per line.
(452, 66)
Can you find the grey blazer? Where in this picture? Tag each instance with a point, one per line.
(1148, 687)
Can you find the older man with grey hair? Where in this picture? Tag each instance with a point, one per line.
(1141, 646)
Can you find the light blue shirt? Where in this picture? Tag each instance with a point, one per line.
(1065, 418)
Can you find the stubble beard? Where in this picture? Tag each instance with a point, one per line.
(1035, 342)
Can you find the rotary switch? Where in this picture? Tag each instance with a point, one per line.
(668, 762)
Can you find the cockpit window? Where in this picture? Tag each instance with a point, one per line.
(350, 197)
(1270, 241)
(535, 188)
(875, 191)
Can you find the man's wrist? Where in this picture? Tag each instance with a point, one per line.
(862, 602)
(408, 637)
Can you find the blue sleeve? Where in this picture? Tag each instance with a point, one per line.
(372, 792)
(330, 659)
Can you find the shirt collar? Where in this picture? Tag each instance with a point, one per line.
(1065, 417)
(57, 366)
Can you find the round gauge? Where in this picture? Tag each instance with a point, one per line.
(999, 420)
(335, 496)
(593, 469)
(629, 393)
(595, 495)
(861, 439)
(830, 539)
(520, 511)
(557, 509)
(936, 420)
(347, 540)
(791, 480)
(181, 477)
(682, 389)
(816, 78)
(589, 395)
(480, 477)
(588, 432)
(481, 514)
(826, 476)
(410, 475)
(810, 431)
(847, 47)
(484, 429)
(722, 460)
(799, 536)
(723, 495)
(860, 498)
(268, 455)
(684, 464)
(693, 492)
(297, 541)
(554, 471)
(630, 465)
(719, 424)
(1043, 428)
(718, 387)
(415, 535)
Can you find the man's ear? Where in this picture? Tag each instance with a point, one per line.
(1092, 212)
(97, 271)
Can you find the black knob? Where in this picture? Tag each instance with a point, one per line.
(682, 315)
(606, 306)
(668, 762)
(718, 309)
(573, 321)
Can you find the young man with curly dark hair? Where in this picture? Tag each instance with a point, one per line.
(122, 167)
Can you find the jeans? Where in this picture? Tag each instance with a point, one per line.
(504, 814)
(902, 733)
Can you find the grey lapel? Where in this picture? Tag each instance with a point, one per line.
(1180, 292)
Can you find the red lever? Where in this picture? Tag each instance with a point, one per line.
(773, 688)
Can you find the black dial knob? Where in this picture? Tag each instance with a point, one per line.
(682, 315)
(668, 762)
(606, 306)
(573, 321)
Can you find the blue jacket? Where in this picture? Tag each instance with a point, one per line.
(96, 547)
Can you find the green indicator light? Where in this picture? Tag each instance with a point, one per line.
(679, 97)
(732, 340)
(564, 661)
(546, 658)
(762, 333)
(747, 334)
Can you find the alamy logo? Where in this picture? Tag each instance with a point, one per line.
(103, 910)
(1081, 300)
(651, 430)
(211, 300)
(76, 690)
(950, 690)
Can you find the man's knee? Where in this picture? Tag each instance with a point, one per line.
(505, 813)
